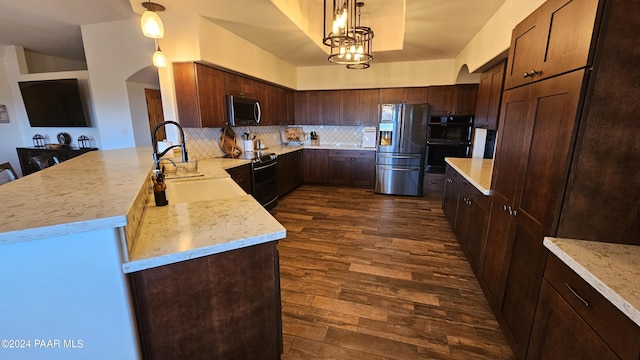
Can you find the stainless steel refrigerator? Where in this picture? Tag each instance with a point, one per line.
(402, 140)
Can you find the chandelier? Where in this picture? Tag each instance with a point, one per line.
(349, 41)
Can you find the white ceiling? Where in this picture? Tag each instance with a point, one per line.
(405, 30)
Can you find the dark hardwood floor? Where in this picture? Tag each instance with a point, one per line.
(367, 276)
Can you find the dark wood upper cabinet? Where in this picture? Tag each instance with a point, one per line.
(200, 95)
(408, 95)
(453, 99)
(489, 97)
(300, 107)
(359, 107)
(330, 107)
(241, 86)
(554, 39)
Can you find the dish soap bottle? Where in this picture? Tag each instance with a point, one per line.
(159, 188)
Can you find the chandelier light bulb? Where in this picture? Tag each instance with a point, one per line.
(352, 49)
(348, 56)
(360, 49)
(343, 50)
(152, 25)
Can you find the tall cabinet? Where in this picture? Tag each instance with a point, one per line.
(563, 162)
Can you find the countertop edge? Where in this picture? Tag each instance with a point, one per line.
(618, 301)
(57, 230)
(471, 180)
(148, 263)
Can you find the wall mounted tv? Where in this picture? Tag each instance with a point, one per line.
(53, 103)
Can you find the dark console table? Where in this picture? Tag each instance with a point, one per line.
(28, 166)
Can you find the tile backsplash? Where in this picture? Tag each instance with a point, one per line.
(204, 143)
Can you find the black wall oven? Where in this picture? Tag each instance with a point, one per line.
(447, 136)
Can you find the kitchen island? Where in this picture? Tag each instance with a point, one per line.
(66, 241)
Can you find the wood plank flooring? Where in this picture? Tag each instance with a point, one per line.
(368, 276)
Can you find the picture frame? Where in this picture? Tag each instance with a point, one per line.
(4, 114)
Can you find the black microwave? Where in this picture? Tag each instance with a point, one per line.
(243, 111)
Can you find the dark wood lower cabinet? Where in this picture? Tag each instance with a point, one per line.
(242, 176)
(574, 321)
(222, 306)
(289, 171)
(315, 165)
(352, 168)
(466, 209)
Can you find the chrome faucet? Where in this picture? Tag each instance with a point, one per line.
(182, 146)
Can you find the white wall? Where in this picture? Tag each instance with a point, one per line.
(10, 134)
(114, 51)
(20, 132)
(495, 36)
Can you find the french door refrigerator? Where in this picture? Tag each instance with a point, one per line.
(402, 141)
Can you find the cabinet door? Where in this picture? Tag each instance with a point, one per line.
(315, 165)
(268, 102)
(441, 99)
(476, 234)
(493, 269)
(340, 170)
(450, 198)
(416, 95)
(239, 86)
(465, 97)
(200, 95)
(510, 150)
(330, 107)
(368, 107)
(363, 170)
(392, 96)
(314, 107)
(242, 176)
(560, 333)
(349, 107)
(489, 97)
(554, 39)
(300, 107)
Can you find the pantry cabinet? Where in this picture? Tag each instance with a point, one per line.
(200, 95)
(538, 126)
(489, 97)
(553, 40)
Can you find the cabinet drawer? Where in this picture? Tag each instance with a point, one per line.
(477, 197)
(615, 328)
(353, 153)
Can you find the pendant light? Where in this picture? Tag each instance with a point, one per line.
(151, 23)
(350, 42)
(159, 58)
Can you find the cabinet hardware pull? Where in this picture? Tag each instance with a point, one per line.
(576, 295)
(505, 208)
(513, 212)
(532, 73)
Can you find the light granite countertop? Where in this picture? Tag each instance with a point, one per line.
(90, 192)
(612, 269)
(475, 170)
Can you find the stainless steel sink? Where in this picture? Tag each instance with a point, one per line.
(182, 191)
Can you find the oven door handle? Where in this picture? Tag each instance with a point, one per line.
(262, 167)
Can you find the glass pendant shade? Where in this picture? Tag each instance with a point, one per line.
(160, 59)
(152, 25)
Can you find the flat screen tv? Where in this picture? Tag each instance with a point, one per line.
(53, 103)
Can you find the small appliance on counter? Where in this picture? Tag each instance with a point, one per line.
(369, 137)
